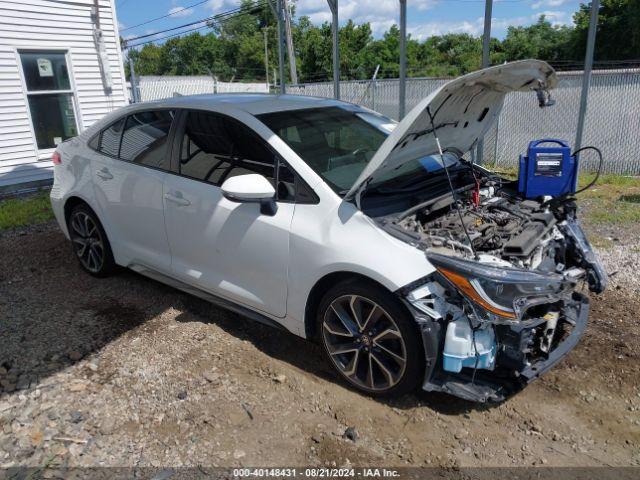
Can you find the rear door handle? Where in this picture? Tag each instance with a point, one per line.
(177, 199)
(104, 174)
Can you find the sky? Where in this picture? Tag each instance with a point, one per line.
(424, 17)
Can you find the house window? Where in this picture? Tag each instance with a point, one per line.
(50, 97)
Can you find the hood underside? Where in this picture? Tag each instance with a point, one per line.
(462, 111)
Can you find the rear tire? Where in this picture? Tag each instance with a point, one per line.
(370, 339)
(90, 243)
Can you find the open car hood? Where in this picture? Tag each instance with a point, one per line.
(463, 110)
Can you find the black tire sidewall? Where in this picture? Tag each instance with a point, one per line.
(414, 370)
(109, 264)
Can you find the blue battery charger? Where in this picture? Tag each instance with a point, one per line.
(548, 168)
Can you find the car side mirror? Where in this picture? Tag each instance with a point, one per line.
(251, 188)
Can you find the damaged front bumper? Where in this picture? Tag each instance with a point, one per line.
(518, 361)
(488, 330)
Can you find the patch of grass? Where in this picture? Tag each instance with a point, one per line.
(28, 210)
(601, 242)
(609, 179)
(613, 200)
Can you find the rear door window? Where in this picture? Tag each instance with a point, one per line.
(144, 139)
(110, 139)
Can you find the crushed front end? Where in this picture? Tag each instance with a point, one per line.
(480, 356)
(497, 316)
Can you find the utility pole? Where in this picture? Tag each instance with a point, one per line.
(292, 56)
(486, 39)
(333, 5)
(486, 36)
(278, 10)
(403, 58)
(283, 88)
(132, 80)
(586, 75)
(266, 57)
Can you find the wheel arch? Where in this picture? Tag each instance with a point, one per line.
(72, 202)
(321, 287)
(75, 200)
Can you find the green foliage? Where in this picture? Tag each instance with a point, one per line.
(540, 40)
(618, 35)
(234, 48)
(16, 212)
(613, 200)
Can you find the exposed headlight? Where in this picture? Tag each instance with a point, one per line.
(498, 290)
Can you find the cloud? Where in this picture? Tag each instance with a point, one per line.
(548, 3)
(555, 17)
(472, 27)
(381, 14)
(180, 12)
(426, 30)
(218, 6)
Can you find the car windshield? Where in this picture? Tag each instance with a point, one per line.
(338, 142)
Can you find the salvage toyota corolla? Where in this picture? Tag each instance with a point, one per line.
(407, 262)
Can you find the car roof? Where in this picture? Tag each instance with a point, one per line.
(253, 103)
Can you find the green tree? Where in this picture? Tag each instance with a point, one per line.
(234, 47)
(540, 40)
(618, 34)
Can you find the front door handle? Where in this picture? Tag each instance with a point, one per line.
(104, 174)
(177, 199)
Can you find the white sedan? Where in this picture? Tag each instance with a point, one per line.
(409, 264)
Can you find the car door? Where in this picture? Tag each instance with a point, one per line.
(129, 167)
(227, 248)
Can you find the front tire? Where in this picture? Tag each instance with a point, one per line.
(90, 242)
(370, 339)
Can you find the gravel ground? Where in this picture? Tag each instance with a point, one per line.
(127, 372)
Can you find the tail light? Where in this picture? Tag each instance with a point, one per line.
(56, 158)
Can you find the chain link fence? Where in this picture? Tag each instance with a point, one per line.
(612, 123)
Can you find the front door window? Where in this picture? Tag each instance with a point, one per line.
(50, 97)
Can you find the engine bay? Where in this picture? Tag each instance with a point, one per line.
(500, 227)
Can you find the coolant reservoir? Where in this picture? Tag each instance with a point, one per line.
(459, 348)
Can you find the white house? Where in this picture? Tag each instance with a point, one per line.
(60, 71)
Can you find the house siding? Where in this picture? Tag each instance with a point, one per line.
(52, 24)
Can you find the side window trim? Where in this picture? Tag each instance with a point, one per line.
(124, 126)
(175, 137)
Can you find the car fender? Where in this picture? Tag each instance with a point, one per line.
(343, 239)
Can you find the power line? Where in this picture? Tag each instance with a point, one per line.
(219, 18)
(180, 26)
(167, 36)
(211, 18)
(167, 15)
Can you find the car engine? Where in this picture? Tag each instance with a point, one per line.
(501, 228)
